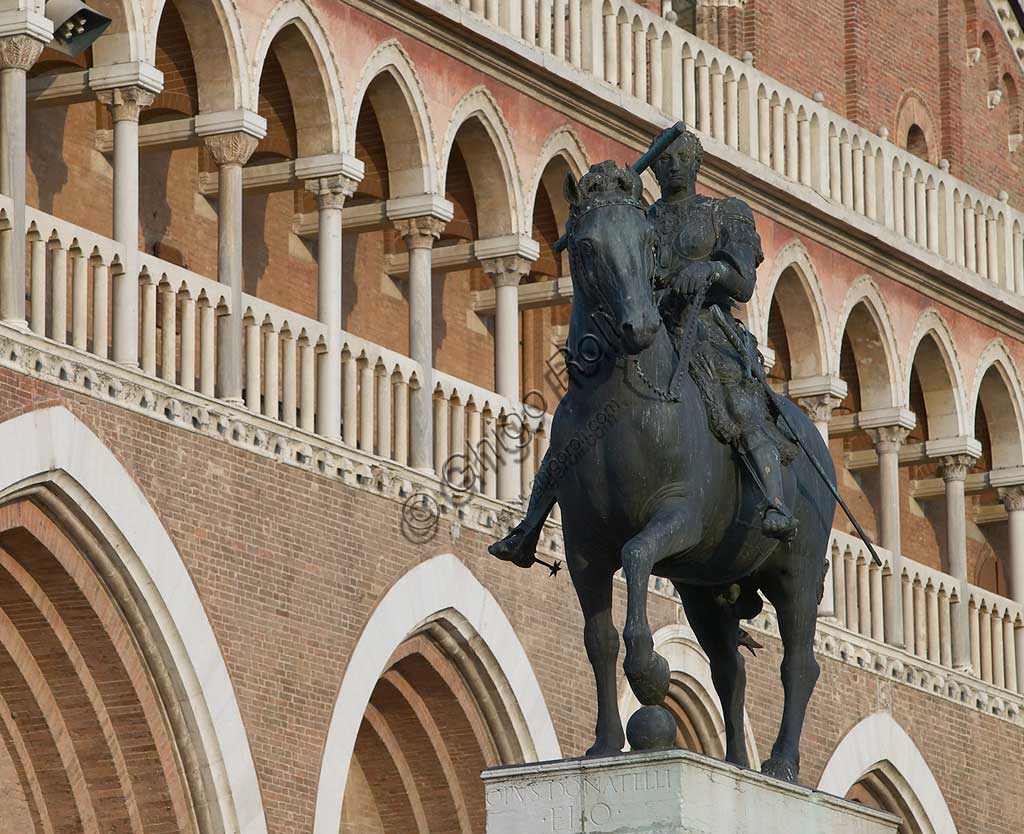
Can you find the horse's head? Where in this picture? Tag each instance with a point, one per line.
(611, 252)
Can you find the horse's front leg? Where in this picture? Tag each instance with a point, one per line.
(671, 530)
(592, 579)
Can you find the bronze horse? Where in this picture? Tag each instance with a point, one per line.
(646, 487)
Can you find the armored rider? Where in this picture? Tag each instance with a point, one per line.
(708, 254)
(708, 251)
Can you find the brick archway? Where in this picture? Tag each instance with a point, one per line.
(437, 637)
(124, 716)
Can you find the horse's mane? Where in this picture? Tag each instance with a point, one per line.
(604, 184)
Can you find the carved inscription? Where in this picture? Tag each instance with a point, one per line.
(571, 803)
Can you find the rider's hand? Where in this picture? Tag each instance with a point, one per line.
(694, 277)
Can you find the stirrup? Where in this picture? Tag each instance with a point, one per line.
(787, 530)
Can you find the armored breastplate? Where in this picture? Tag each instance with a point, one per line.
(687, 231)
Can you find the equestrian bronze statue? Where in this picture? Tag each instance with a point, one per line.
(670, 456)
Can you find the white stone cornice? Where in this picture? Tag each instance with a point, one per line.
(1006, 476)
(434, 206)
(953, 447)
(231, 121)
(24, 22)
(877, 418)
(825, 385)
(136, 74)
(517, 246)
(329, 165)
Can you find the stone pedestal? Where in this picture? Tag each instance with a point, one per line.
(668, 792)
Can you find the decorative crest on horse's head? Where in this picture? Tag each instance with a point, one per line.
(603, 185)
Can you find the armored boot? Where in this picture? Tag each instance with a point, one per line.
(778, 521)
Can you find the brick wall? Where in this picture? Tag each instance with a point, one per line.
(289, 567)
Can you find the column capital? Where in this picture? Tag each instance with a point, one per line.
(126, 103)
(1012, 498)
(819, 407)
(231, 148)
(332, 191)
(954, 467)
(419, 205)
(506, 271)
(518, 246)
(888, 438)
(23, 34)
(419, 232)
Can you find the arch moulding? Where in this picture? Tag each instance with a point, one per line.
(439, 584)
(52, 447)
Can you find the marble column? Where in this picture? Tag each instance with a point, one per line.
(18, 52)
(126, 104)
(1013, 499)
(888, 441)
(331, 193)
(953, 469)
(506, 273)
(230, 137)
(419, 234)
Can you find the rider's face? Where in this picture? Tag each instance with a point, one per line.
(675, 169)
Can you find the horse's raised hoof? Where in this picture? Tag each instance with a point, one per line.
(651, 685)
(607, 746)
(519, 547)
(651, 728)
(779, 524)
(779, 768)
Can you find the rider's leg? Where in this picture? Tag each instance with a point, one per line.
(778, 520)
(520, 544)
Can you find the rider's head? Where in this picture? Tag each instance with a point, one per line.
(676, 169)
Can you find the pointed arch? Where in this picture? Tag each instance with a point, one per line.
(57, 460)
(478, 122)
(692, 693)
(932, 355)
(794, 285)
(441, 586)
(390, 83)
(216, 40)
(997, 389)
(874, 345)
(879, 744)
(304, 52)
(565, 144)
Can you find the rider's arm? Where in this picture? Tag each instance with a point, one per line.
(739, 250)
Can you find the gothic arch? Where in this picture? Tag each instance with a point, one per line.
(55, 461)
(879, 743)
(491, 161)
(997, 388)
(910, 112)
(441, 587)
(218, 49)
(305, 55)
(390, 82)
(874, 346)
(692, 693)
(565, 145)
(941, 377)
(793, 283)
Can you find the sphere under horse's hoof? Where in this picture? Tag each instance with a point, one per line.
(651, 728)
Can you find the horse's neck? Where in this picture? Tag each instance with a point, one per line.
(595, 351)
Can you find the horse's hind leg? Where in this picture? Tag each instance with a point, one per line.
(794, 593)
(593, 585)
(718, 633)
(669, 531)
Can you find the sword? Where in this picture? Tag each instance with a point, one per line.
(642, 164)
(730, 334)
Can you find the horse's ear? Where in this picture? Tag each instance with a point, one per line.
(571, 189)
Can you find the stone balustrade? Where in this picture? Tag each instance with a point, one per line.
(654, 62)
(483, 444)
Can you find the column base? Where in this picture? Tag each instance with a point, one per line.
(671, 792)
(16, 324)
